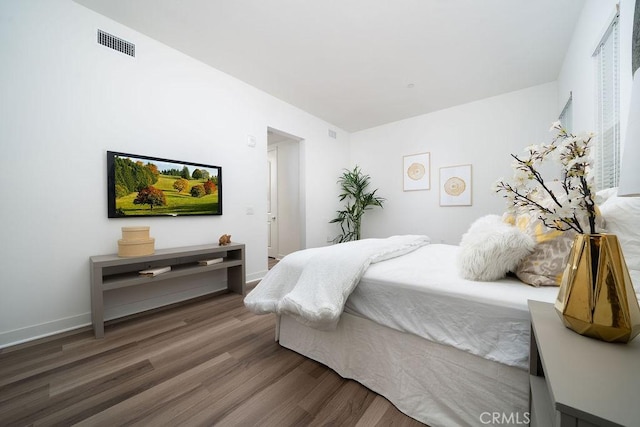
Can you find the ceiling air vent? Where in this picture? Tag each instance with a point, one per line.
(116, 43)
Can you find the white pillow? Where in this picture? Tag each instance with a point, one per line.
(604, 195)
(491, 248)
(622, 218)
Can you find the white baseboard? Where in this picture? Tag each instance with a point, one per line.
(30, 333)
(256, 276)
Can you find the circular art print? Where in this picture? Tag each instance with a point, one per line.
(454, 186)
(416, 171)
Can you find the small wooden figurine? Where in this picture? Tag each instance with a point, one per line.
(224, 240)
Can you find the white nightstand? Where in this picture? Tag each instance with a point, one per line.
(580, 381)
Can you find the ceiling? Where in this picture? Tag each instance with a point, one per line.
(362, 63)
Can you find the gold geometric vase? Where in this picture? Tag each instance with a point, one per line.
(596, 297)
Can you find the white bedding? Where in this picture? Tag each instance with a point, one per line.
(474, 358)
(421, 293)
(313, 285)
(433, 383)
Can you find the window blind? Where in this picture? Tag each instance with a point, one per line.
(607, 147)
(566, 116)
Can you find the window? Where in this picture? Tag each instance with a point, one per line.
(566, 117)
(607, 148)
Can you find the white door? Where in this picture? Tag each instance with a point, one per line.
(272, 202)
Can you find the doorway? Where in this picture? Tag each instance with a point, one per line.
(284, 194)
(272, 202)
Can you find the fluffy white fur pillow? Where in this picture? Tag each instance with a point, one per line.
(491, 248)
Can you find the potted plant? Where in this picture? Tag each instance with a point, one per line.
(353, 184)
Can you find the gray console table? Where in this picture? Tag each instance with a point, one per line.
(112, 272)
(579, 381)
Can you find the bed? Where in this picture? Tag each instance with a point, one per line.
(427, 368)
(444, 350)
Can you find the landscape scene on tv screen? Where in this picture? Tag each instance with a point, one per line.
(150, 186)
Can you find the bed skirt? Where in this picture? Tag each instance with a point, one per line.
(433, 383)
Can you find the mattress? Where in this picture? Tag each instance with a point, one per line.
(422, 294)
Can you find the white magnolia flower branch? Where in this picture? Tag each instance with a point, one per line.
(529, 190)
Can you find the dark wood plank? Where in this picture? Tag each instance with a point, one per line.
(207, 362)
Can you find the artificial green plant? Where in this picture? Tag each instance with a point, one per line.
(353, 185)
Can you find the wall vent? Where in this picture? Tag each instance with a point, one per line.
(332, 133)
(116, 43)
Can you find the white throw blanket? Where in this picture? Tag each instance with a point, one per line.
(312, 285)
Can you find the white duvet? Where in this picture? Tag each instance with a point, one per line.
(313, 285)
(422, 294)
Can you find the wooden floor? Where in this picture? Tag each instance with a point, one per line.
(210, 362)
(271, 262)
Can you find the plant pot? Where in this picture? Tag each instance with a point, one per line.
(596, 297)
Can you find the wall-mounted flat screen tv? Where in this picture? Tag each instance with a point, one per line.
(151, 186)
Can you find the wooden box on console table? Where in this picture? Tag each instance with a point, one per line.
(135, 242)
(113, 272)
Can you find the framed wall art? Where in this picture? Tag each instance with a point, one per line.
(455, 185)
(416, 171)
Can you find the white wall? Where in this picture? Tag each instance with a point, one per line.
(577, 75)
(67, 100)
(481, 133)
